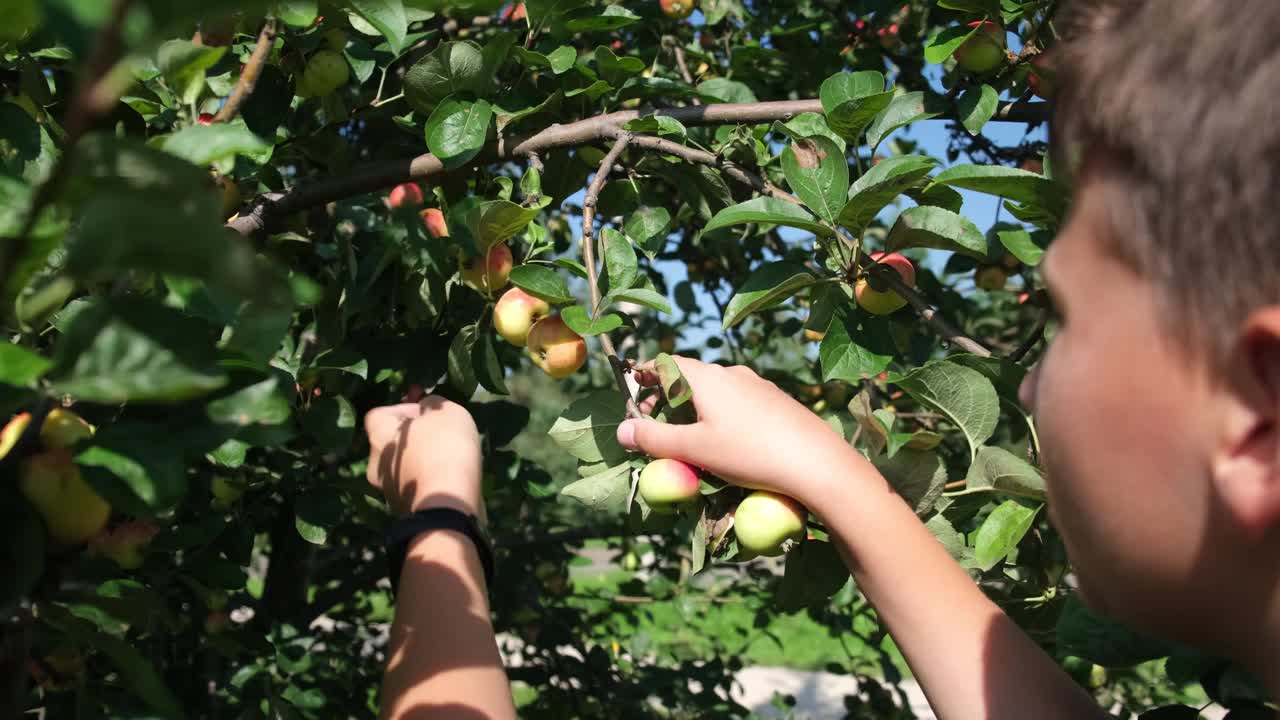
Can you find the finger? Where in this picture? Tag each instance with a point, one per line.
(382, 423)
(661, 440)
(693, 370)
(649, 402)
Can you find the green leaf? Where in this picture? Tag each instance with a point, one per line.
(542, 282)
(1011, 183)
(944, 44)
(843, 87)
(855, 347)
(561, 59)
(331, 421)
(769, 210)
(615, 70)
(937, 228)
(767, 286)
(207, 144)
(879, 186)
(917, 475)
(603, 492)
(657, 125)
(851, 118)
(21, 367)
(990, 8)
(497, 221)
(612, 18)
(298, 13)
(977, 106)
(904, 110)
(619, 260)
(1001, 532)
(155, 472)
(183, 64)
(315, 514)
(460, 371)
(127, 349)
(485, 364)
(587, 429)
(1026, 246)
(576, 318)
(814, 572)
(818, 174)
(725, 90)
(457, 129)
(950, 538)
(996, 469)
(964, 395)
(262, 402)
(674, 386)
(646, 227)
(642, 296)
(452, 68)
(807, 125)
(1099, 639)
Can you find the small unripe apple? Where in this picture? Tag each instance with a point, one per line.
(336, 39)
(667, 485)
(515, 313)
(205, 119)
(677, 9)
(226, 492)
(72, 511)
(555, 348)
(433, 219)
(405, 195)
(125, 544)
(768, 523)
(1042, 80)
(984, 51)
(326, 71)
(883, 302)
(62, 429)
(489, 272)
(12, 432)
(218, 31)
(990, 277)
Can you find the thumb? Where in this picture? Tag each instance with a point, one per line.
(659, 439)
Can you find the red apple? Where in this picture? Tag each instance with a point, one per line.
(490, 271)
(205, 119)
(555, 348)
(667, 485)
(883, 302)
(405, 195)
(515, 314)
(433, 218)
(1042, 77)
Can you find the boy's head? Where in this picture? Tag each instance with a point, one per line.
(1158, 399)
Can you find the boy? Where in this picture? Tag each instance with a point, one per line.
(1158, 402)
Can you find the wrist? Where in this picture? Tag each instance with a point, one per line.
(839, 478)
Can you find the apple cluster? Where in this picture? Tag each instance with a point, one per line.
(520, 318)
(51, 481)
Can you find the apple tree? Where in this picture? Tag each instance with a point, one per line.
(230, 228)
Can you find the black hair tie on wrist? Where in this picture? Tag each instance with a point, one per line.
(405, 529)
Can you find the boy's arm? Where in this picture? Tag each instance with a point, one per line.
(970, 658)
(443, 660)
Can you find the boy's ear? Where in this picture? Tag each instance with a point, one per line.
(1246, 467)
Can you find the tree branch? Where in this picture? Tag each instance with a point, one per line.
(88, 103)
(424, 167)
(1037, 333)
(249, 76)
(589, 247)
(927, 312)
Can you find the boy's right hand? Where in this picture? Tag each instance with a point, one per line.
(748, 432)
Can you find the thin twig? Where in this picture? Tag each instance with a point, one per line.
(85, 108)
(1037, 334)
(249, 76)
(678, 50)
(920, 304)
(589, 259)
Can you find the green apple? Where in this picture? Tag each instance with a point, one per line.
(326, 71)
(768, 523)
(677, 9)
(984, 51)
(990, 277)
(63, 429)
(72, 511)
(668, 485)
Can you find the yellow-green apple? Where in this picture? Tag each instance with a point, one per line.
(884, 301)
(433, 219)
(555, 348)
(490, 271)
(230, 195)
(668, 485)
(225, 492)
(768, 524)
(990, 277)
(326, 71)
(405, 195)
(125, 544)
(984, 51)
(12, 432)
(814, 335)
(62, 429)
(677, 9)
(72, 511)
(515, 313)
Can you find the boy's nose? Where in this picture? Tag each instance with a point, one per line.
(1027, 389)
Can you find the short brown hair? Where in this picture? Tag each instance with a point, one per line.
(1178, 104)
